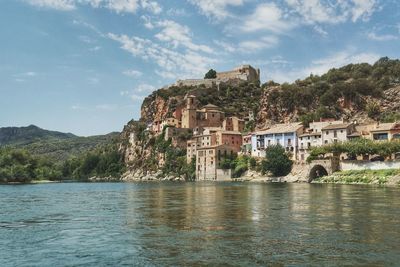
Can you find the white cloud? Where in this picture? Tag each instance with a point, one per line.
(226, 46)
(383, 37)
(95, 48)
(320, 31)
(118, 6)
(321, 66)
(133, 73)
(93, 80)
(362, 9)
(217, 9)
(178, 35)
(335, 11)
(151, 6)
(267, 16)
(145, 88)
(182, 64)
(64, 5)
(147, 22)
(264, 42)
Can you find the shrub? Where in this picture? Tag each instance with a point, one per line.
(276, 161)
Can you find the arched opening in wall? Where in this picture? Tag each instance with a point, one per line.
(316, 172)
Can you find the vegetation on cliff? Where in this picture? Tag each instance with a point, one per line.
(151, 153)
(352, 88)
(236, 98)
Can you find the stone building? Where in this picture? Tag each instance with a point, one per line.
(312, 136)
(173, 122)
(243, 72)
(233, 124)
(207, 138)
(233, 139)
(208, 162)
(385, 131)
(209, 116)
(334, 133)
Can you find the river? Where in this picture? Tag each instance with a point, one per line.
(198, 224)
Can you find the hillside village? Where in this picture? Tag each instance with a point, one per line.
(209, 135)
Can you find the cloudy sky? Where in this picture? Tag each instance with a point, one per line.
(84, 66)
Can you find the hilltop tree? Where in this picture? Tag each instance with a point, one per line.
(211, 74)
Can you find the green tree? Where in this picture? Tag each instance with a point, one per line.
(211, 74)
(276, 161)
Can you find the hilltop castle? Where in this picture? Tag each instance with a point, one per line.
(243, 72)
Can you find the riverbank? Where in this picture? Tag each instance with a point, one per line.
(377, 177)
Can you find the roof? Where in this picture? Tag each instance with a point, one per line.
(210, 106)
(337, 126)
(309, 134)
(282, 128)
(383, 127)
(231, 132)
(355, 134)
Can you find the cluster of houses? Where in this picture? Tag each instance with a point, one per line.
(210, 137)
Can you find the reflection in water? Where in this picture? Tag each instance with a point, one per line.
(199, 224)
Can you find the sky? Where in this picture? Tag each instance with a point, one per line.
(84, 66)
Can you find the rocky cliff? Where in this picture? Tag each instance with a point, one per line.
(359, 92)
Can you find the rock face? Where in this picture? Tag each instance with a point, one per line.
(275, 109)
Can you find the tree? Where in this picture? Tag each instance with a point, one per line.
(276, 161)
(211, 74)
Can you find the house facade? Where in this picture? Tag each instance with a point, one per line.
(208, 162)
(285, 135)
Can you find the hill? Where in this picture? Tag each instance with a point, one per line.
(29, 134)
(56, 145)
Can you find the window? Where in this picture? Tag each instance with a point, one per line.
(326, 141)
(327, 132)
(335, 133)
(289, 141)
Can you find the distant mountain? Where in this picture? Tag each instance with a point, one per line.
(29, 134)
(56, 145)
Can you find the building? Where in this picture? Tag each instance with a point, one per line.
(172, 122)
(312, 136)
(209, 116)
(233, 139)
(212, 137)
(337, 132)
(385, 131)
(246, 144)
(233, 124)
(285, 135)
(189, 113)
(208, 162)
(243, 72)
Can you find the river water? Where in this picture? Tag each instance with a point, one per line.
(199, 224)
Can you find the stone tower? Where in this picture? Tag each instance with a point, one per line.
(189, 113)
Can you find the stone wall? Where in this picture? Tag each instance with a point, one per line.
(368, 165)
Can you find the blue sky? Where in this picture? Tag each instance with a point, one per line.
(84, 66)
